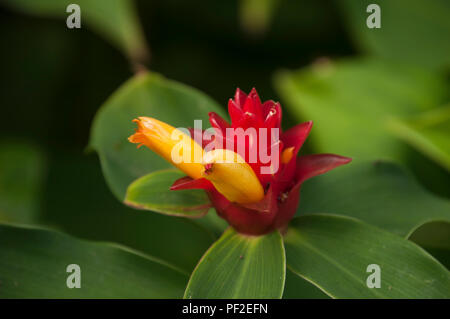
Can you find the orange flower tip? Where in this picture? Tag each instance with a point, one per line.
(287, 155)
(137, 138)
(172, 144)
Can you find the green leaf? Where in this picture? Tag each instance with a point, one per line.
(239, 266)
(116, 20)
(151, 95)
(298, 288)
(334, 252)
(434, 237)
(153, 192)
(410, 31)
(100, 217)
(21, 181)
(378, 193)
(352, 101)
(429, 133)
(33, 264)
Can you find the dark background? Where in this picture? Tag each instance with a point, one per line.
(54, 78)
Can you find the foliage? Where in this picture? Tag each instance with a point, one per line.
(375, 106)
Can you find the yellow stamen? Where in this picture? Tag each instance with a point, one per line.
(232, 176)
(287, 154)
(170, 143)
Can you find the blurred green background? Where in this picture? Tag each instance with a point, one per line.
(54, 79)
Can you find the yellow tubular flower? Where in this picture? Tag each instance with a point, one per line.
(232, 177)
(171, 144)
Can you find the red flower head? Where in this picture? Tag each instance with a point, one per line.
(258, 191)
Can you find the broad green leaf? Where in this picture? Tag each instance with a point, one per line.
(379, 193)
(352, 101)
(428, 133)
(239, 266)
(33, 264)
(98, 216)
(147, 94)
(411, 31)
(153, 192)
(434, 237)
(21, 181)
(299, 288)
(116, 20)
(334, 252)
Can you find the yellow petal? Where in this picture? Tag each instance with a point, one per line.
(170, 143)
(232, 176)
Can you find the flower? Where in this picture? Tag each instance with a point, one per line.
(256, 189)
